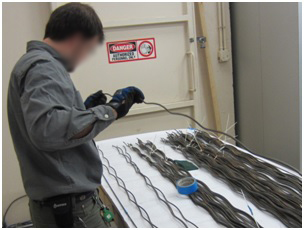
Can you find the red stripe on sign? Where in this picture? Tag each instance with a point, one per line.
(126, 51)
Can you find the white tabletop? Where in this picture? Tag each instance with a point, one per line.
(145, 196)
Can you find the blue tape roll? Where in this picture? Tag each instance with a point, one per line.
(186, 185)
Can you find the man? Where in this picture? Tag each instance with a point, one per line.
(53, 130)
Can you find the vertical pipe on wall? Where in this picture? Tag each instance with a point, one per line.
(223, 25)
(220, 26)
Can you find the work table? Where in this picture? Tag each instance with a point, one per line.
(158, 212)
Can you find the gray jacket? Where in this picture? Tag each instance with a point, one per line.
(45, 111)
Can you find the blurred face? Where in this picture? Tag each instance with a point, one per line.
(79, 48)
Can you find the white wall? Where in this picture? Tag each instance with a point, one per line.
(266, 67)
(26, 21)
(21, 22)
(222, 70)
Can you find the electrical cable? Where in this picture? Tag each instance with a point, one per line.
(130, 195)
(6, 211)
(129, 160)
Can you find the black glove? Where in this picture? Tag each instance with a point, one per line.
(123, 100)
(95, 99)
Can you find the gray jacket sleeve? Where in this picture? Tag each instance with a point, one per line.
(51, 113)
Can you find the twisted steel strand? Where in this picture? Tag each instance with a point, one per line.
(130, 195)
(278, 173)
(223, 133)
(219, 132)
(227, 163)
(216, 196)
(279, 200)
(161, 196)
(217, 206)
(250, 162)
(289, 181)
(128, 215)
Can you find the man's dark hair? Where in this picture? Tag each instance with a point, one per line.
(73, 18)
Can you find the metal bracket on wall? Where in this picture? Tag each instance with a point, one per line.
(202, 41)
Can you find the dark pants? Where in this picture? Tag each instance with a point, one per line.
(85, 214)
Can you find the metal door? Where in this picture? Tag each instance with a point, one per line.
(171, 78)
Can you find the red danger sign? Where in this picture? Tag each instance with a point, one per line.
(131, 50)
(122, 47)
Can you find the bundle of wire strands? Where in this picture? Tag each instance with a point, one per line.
(160, 195)
(218, 206)
(270, 188)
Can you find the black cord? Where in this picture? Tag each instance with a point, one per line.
(108, 94)
(4, 216)
(223, 133)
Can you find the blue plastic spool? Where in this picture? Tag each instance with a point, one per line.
(187, 185)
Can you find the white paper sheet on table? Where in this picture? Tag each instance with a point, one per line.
(145, 196)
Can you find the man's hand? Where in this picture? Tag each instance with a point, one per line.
(95, 99)
(123, 100)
